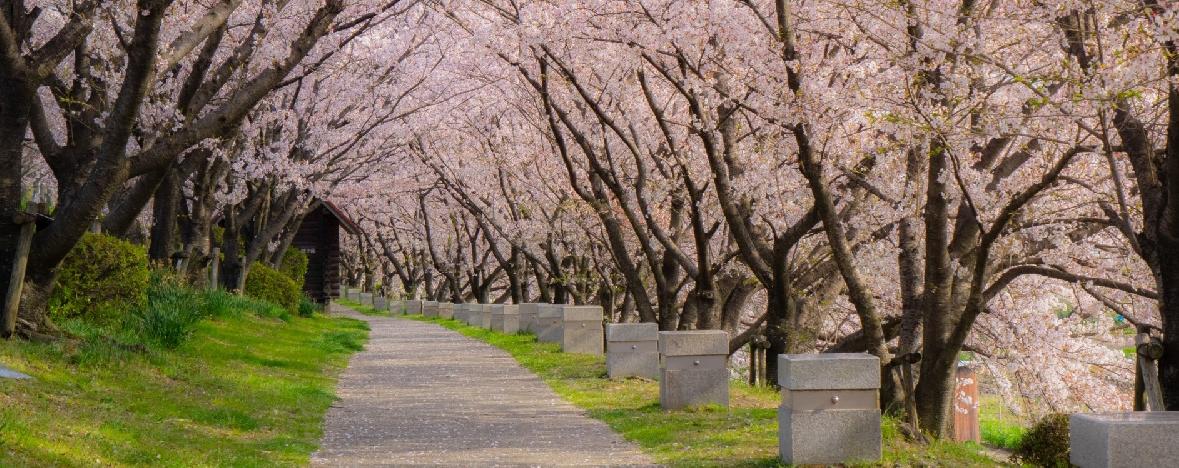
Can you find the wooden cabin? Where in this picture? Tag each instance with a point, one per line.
(319, 237)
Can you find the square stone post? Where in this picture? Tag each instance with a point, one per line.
(694, 369)
(366, 299)
(830, 409)
(581, 329)
(445, 310)
(413, 307)
(485, 311)
(352, 294)
(380, 302)
(430, 309)
(460, 312)
(473, 314)
(528, 317)
(1145, 438)
(632, 350)
(548, 323)
(505, 319)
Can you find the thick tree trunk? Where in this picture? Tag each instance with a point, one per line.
(165, 207)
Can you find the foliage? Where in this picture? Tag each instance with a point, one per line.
(271, 285)
(1046, 443)
(294, 265)
(102, 277)
(170, 315)
(243, 391)
(1003, 435)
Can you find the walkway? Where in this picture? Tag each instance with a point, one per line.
(420, 394)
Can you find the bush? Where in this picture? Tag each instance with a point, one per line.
(100, 278)
(1046, 443)
(269, 284)
(294, 265)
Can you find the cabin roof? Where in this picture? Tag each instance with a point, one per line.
(345, 221)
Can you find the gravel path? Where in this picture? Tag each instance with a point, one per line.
(420, 394)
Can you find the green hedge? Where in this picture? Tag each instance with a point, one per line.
(294, 265)
(102, 278)
(271, 285)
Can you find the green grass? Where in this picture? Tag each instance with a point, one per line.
(745, 434)
(243, 390)
(999, 426)
(363, 309)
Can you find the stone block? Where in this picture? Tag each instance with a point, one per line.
(506, 319)
(366, 299)
(828, 371)
(445, 310)
(474, 314)
(528, 317)
(460, 312)
(380, 302)
(485, 311)
(632, 350)
(680, 389)
(1118, 440)
(582, 337)
(828, 436)
(548, 323)
(430, 309)
(582, 313)
(413, 307)
(694, 343)
(632, 332)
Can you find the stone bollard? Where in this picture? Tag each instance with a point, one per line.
(1144, 438)
(581, 329)
(445, 310)
(430, 309)
(473, 314)
(632, 350)
(460, 312)
(695, 369)
(366, 299)
(528, 317)
(830, 409)
(413, 307)
(352, 294)
(505, 318)
(548, 323)
(485, 311)
(380, 302)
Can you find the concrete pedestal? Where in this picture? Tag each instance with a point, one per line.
(1124, 440)
(380, 302)
(413, 307)
(485, 311)
(473, 313)
(366, 299)
(581, 329)
(548, 323)
(445, 310)
(505, 319)
(460, 312)
(430, 309)
(830, 409)
(528, 317)
(352, 294)
(694, 368)
(632, 350)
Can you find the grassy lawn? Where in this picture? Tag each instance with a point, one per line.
(745, 434)
(245, 390)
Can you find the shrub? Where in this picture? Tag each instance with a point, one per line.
(294, 265)
(269, 284)
(1046, 443)
(101, 277)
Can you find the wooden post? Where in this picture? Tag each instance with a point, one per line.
(28, 227)
(752, 363)
(1147, 351)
